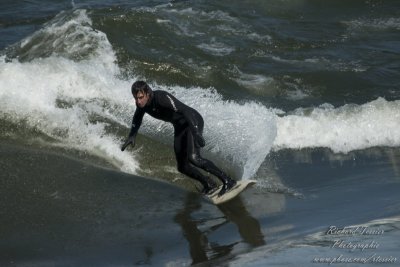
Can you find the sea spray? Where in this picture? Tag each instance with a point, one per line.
(231, 135)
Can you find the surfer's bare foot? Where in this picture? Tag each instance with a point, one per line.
(227, 186)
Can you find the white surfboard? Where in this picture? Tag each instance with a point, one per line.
(236, 190)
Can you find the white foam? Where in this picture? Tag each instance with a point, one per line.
(347, 128)
(31, 91)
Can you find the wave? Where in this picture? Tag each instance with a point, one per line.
(60, 96)
(64, 83)
(343, 129)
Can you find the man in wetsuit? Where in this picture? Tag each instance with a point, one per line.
(188, 134)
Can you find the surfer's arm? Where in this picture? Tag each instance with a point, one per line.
(136, 122)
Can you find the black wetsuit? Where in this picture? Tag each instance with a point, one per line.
(188, 125)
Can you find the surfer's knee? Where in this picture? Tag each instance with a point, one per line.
(196, 160)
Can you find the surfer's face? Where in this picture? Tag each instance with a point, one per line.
(141, 99)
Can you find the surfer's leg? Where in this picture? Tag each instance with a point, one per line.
(184, 166)
(197, 160)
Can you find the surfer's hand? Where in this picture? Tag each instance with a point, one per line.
(199, 140)
(129, 141)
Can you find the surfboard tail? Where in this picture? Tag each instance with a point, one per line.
(232, 193)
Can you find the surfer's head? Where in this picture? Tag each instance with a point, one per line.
(142, 92)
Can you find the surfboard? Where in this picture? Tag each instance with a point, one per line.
(236, 190)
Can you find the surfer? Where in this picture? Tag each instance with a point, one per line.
(188, 134)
